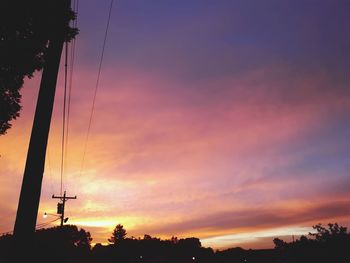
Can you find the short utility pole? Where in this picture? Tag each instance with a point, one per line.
(61, 205)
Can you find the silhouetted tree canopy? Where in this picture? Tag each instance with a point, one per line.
(327, 244)
(279, 243)
(56, 244)
(26, 28)
(65, 236)
(334, 231)
(119, 233)
(70, 244)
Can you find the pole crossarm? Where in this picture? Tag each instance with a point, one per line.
(64, 197)
(61, 206)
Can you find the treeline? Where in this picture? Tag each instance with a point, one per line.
(327, 244)
(70, 244)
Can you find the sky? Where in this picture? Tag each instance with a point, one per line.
(224, 120)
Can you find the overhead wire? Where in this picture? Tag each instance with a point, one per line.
(66, 105)
(66, 108)
(42, 225)
(72, 60)
(67, 99)
(37, 226)
(96, 87)
(64, 113)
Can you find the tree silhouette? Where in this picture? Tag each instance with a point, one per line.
(279, 243)
(119, 233)
(25, 31)
(326, 244)
(66, 236)
(334, 231)
(56, 244)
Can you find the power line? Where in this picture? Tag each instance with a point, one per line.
(64, 112)
(72, 59)
(42, 225)
(66, 107)
(37, 227)
(96, 86)
(66, 102)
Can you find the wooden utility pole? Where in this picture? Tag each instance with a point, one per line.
(33, 174)
(61, 205)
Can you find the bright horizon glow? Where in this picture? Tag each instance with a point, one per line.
(241, 239)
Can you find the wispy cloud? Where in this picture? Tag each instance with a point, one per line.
(208, 128)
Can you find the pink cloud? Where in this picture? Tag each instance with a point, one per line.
(189, 153)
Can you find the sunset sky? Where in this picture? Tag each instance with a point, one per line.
(224, 120)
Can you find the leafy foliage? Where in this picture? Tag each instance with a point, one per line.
(69, 244)
(26, 28)
(66, 236)
(327, 244)
(334, 231)
(56, 244)
(119, 233)
(279, 243)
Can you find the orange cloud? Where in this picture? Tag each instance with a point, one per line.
(209, 158)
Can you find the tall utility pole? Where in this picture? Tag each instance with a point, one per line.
(61, 205)
(33, 174)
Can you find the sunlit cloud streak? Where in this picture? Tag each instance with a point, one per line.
(210, 125)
